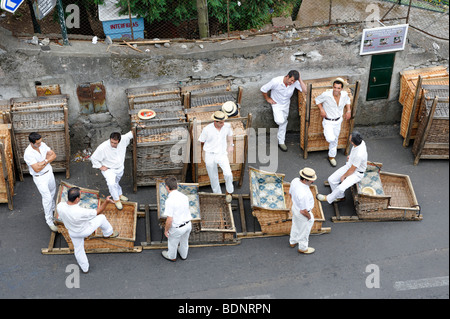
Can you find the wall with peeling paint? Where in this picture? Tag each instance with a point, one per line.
(249, 63)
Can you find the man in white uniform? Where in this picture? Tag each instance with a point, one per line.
(109, 157)
(38, 157)
(82, 222)
(281, 89)
(349, 174)
(331, 104)
(218, 141)
(178, 222)
(302, 215)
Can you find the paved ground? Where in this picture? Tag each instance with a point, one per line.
(412, 257)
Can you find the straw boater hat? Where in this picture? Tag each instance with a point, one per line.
(219, 116)
(308, 173)
(369, 191)
(340, 80)
(229, 108)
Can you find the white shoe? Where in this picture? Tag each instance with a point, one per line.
(321, 197)
(310, 250)
(53, 228)
(165, 254)
(118, 205)
(123, 198)
(332, 161)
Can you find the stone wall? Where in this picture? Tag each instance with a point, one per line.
(250, 63)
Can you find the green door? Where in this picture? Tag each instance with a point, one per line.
(380, 76)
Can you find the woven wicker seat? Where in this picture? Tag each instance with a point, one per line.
(395, 201)
(271, 203)
(123, 221)
(212, 218)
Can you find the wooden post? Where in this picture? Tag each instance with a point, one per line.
(352, 119)
(131, 20)
(67, 141)
(307, 114)
(413, 111)
(203, 24)
(426, 131)
(134, 130)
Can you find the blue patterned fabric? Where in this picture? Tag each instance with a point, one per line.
(372, 178)
(267, 190)
(191, 191)
(88, 200)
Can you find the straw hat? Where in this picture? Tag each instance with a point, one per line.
(146, 114)
(340, 80)
(219, 116)
(369, 191)
(229, 108)
(308, 173)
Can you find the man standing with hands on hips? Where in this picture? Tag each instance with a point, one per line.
(38, 157)
(281, 89)
(331, 104)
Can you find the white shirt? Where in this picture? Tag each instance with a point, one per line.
(281, 93)
(358, 157)
(32, 156)
(177, 207)
(111, 157)
(75, 217)
(329, 104)
(302, 198)
(215, 140)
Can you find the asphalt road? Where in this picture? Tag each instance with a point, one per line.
(370, 260)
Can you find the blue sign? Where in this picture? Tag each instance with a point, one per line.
(11, 5)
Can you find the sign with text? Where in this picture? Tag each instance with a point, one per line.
(10, 5)
(384, 39)
(43, 7)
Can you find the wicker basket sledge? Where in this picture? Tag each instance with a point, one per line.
(47, 116)
(311, 129)
(161, 145)
(210, 94)
(123, 221)
(394, 200)
(212, 217)
(7, 176)
(271, 203)
(432, 140)
(411, 94)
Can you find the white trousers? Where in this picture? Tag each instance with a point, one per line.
(211, 162)
(179, 236)
(300, 230)
(331, 130)
(47, 188)
(78, 238)
(112, 177)
(337, 188)
(280, 116)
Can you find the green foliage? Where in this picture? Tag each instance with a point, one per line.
(249, 14)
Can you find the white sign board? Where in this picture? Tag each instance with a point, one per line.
(109, 11)
(384, 39)
(43, 7)
(10, 5)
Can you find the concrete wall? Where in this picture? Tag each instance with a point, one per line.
(323, 52)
